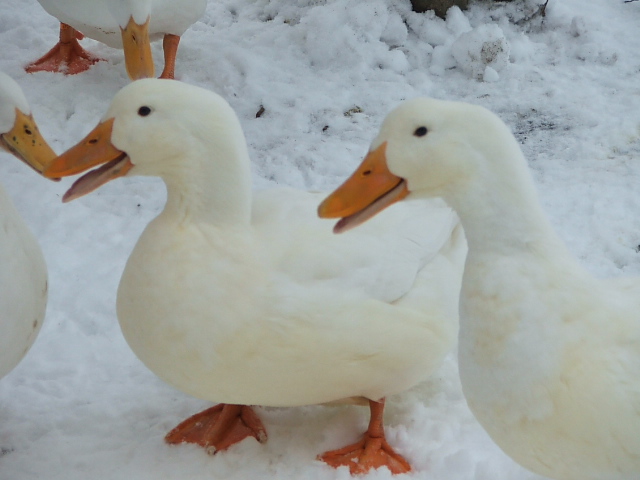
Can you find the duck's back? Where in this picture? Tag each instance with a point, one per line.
(380, 259)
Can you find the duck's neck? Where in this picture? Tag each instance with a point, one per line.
(202, 190)
(501, 214)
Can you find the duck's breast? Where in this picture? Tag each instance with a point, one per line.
(23, 287)
(547, 364)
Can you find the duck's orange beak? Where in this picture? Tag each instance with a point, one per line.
(370, 189)
(25, 142)
(95, 149)
(137, 50)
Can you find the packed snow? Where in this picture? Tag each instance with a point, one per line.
(322, 74)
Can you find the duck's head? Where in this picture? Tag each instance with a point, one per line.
(425, 148)
(153, 127)
(19, 133)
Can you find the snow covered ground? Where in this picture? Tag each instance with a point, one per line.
(81, 406)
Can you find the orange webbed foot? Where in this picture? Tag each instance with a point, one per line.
(367, 454)
(372, 451)
(219, 427)
(67, 56)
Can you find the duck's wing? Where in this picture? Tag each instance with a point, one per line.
(380, 259)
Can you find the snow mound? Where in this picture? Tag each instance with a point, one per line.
(483, 50)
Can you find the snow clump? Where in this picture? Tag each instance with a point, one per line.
(484, 46)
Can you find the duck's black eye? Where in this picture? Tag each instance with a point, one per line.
(144, 111)
(420, 131)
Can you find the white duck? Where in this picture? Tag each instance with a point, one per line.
(23, 273)
(127, 24)
(549, 355)
(253, 301)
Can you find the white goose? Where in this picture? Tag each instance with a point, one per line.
(127, 24)
(23, 273)
(253, 301)
(549, 355)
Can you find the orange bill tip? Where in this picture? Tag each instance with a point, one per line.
(369, 190)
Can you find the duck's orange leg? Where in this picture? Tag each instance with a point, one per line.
(170, 47)
(67, 56)
(372, 451)
(219, 427)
